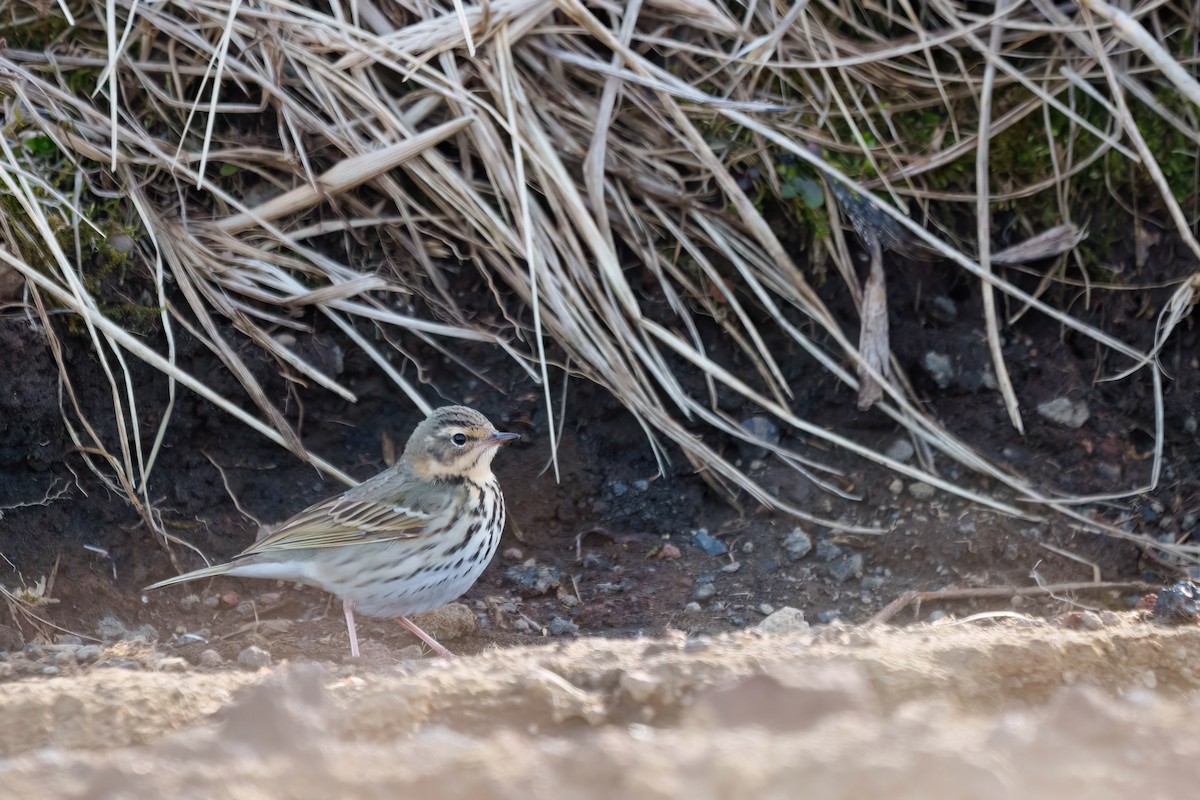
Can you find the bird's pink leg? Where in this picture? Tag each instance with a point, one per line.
(425, 637)
(348, 607)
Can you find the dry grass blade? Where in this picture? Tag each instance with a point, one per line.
(607, 173)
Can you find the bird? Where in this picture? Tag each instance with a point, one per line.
(411, 539)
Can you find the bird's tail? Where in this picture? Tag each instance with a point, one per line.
(194, 575)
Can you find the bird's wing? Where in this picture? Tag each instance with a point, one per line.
(341, 521)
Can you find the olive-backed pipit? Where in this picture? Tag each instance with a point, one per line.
(411, 539)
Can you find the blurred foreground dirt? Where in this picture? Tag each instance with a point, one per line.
(957, 711)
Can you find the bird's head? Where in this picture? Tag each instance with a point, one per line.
(455, 441)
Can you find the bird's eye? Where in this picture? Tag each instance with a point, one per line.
(459, 439)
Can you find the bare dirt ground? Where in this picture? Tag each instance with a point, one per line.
(927, 712)
(610, 650)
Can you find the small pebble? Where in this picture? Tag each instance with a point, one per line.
(1064, 411)
(704, 592)
(798, 544)
(733, 566)
(785, 620)
(896, 486)
(692, 607)
(270, 598)
(210, 658)
(921, 491)
(747, 548)
(669, 552)
(212, 601)
(766, 609)
(709, 543)
(254, 657)
(900, 450)
(70, 638)
(934, 616)
(189, 602)
(513, 554)
(845, 568)
(827, 550)
(521, 625)
(562, 627)
(88, 653)
(172, 664)
(231, 599)
(49, 670)
(110, 628)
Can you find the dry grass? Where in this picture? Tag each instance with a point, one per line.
(569, 152)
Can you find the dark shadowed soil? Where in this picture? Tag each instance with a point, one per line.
(608, 551)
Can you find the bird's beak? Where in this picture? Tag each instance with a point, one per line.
(500, 437)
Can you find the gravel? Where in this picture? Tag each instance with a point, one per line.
(254, 657)
(797, 544)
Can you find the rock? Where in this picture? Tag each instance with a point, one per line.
(641, 485)
(935, 616)
(827, 550)
(797, 544)
(873, 583)
(708, 543)
(269, 598)
(254, 657)
(896, 486)
(212, 601)
(210, 658)
(1177, 603)
(748, 546)
(172, 664)
(88, 653)
(900, 450)
(940, 367)
(766, 609)
(1064, 411)
(67, 656)
(669, 552)
(451, 621)
(1109, 471)
(110, 629)
(762, 428)
(921, 491)
(532, 580)
(189, 602)
(828, 616)
(692, 607)
(731, 567)
(705, 591)
(562, 627)
(845, 568)
(70, 639)
(513, 554)
(785, 620)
